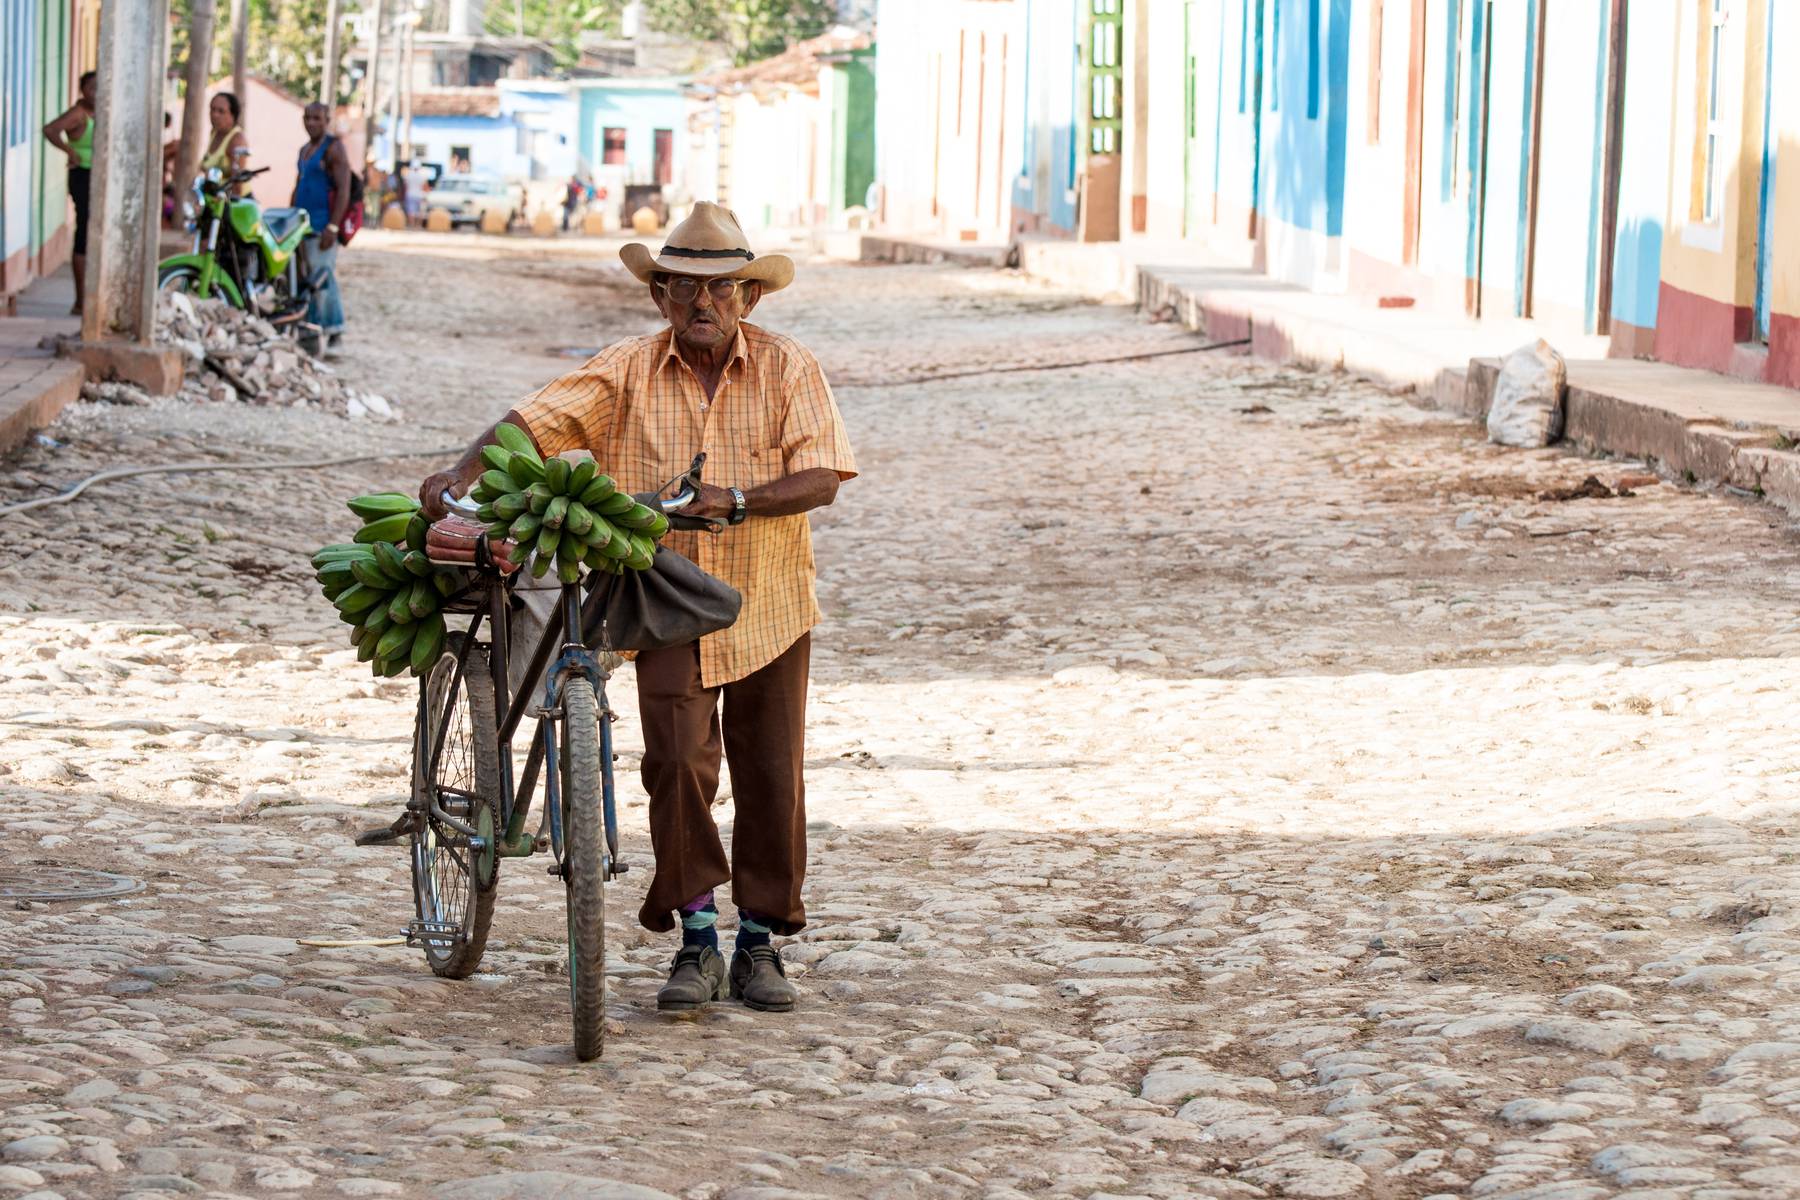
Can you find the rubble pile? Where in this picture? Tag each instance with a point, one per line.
(237, 357)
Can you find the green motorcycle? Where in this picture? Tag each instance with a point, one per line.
(244, 254)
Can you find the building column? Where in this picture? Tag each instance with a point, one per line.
(127, 178)
(118, 324)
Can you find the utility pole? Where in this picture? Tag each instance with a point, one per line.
(403, 147)
(393, 103)
(127, 179)
(328, 85)
(193, 110)
(240, 31)
(372, 98)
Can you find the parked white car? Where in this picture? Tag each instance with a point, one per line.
(467, 198)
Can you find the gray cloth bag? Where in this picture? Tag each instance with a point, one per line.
(671, 604)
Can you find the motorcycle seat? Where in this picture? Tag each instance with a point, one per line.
(282, 222)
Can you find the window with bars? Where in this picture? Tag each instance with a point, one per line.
(1105, 75)
(1709, 172)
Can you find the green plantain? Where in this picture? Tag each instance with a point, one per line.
(383, 504)
(386, 529)
(514, 438)
(427, 643)
(598, 489)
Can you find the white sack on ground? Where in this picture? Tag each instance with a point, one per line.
(1528, 398)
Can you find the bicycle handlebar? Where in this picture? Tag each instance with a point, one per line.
(463, 507)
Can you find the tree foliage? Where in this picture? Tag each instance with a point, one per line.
(284, 41)
(754, 29)
(558, 22)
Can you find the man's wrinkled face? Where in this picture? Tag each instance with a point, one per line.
(315, 118)
(704, 313)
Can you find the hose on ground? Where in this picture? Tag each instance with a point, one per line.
(63, 497)
(1054, 366)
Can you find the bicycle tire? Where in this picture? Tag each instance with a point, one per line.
(451, 892)
(584, 858)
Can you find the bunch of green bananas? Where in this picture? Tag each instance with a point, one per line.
(571, 515)
(385, 588)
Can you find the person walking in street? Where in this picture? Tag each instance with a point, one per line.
(73, 134)
(412, 194)
(227, 149)
(572, 194)
(758, 405)
(322, 188)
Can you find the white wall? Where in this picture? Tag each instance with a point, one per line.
(948, 83)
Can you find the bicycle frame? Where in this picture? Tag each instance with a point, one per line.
(575, 661)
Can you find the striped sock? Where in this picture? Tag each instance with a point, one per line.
(751, 932)
(699, 922)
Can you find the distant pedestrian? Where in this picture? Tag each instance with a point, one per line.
(227, 149)
(412, 193)
(73, 134)
(322, 188)
(573, 192)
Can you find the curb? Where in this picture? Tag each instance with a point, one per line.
(33, 391)
(1695, 425)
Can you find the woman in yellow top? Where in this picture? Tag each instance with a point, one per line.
(227, 149)
(73, 134)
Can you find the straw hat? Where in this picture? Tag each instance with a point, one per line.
(709, 242)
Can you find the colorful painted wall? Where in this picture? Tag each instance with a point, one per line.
(1307, 60)
(949, 84)
(1643, 180)
(1153, 181)
(44, 47)
(1719, 305)
(1048, 120)
(847, 90)
(1223, 75)
(638, 106)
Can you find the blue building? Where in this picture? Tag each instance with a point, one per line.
(622, 131)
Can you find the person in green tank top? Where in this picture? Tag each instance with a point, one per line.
(73, 134)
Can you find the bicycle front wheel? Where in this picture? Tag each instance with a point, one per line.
(454, 878)
(584, 858)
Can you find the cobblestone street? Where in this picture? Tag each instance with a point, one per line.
(1224, 780)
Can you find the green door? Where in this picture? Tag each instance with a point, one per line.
(1105, 76)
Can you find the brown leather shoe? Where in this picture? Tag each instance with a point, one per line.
(760, 981)
(698, 977)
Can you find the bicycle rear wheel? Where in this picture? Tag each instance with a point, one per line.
(584, 858)
(454, 884)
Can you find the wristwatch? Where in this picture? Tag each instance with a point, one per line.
(740, 507)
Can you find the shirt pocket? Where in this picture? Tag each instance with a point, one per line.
(762, 464)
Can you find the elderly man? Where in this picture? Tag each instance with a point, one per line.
(758, 405)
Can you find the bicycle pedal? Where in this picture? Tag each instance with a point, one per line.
(404, 826)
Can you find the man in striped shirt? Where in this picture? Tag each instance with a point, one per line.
(757, 404)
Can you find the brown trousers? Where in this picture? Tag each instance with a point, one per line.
(764, 725)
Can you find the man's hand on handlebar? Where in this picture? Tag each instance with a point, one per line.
(431, 493)
(711, 502)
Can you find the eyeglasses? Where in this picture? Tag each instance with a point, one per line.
(684, 289)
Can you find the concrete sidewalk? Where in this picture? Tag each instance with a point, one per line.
(1696, 425)
(35, 385)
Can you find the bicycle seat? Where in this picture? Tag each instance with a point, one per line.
(282, 223)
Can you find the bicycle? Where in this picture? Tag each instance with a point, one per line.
(466, 812)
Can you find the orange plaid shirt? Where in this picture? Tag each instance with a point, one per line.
(643, 414)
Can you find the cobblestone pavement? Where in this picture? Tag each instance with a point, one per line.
(1225, 781)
